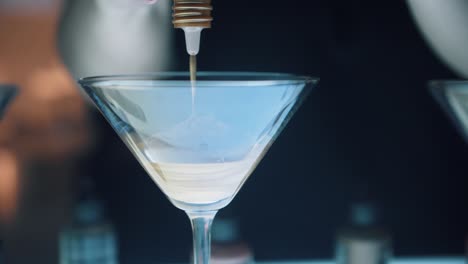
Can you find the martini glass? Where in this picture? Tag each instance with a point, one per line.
(453, 97)
(7, 92)
(199, 144)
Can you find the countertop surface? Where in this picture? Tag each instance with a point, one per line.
(446, 260)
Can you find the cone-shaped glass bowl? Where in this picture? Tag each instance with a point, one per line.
(199, 141)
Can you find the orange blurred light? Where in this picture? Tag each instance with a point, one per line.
(8, 185)
(47, 120)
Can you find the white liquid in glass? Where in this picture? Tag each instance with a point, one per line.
(202, 183)
(189, 170)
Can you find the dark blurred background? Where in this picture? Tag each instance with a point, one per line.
(370, 127)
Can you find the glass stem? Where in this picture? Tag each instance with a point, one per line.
(201, 226)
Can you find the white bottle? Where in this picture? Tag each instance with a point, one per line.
(102, 37)
(89, 238)
(364, 241)
(444, 24)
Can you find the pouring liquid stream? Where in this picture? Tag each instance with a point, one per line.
(193, 79)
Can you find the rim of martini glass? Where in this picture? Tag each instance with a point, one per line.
(439, 90)
(180, 79)
(434, 84)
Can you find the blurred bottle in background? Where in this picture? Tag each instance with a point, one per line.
(47, 127)
(228, 246)
(364, 240)
(89, 238)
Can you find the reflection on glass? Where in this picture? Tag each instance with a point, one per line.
(200, 150)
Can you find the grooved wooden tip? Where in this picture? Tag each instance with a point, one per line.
(192, 13)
